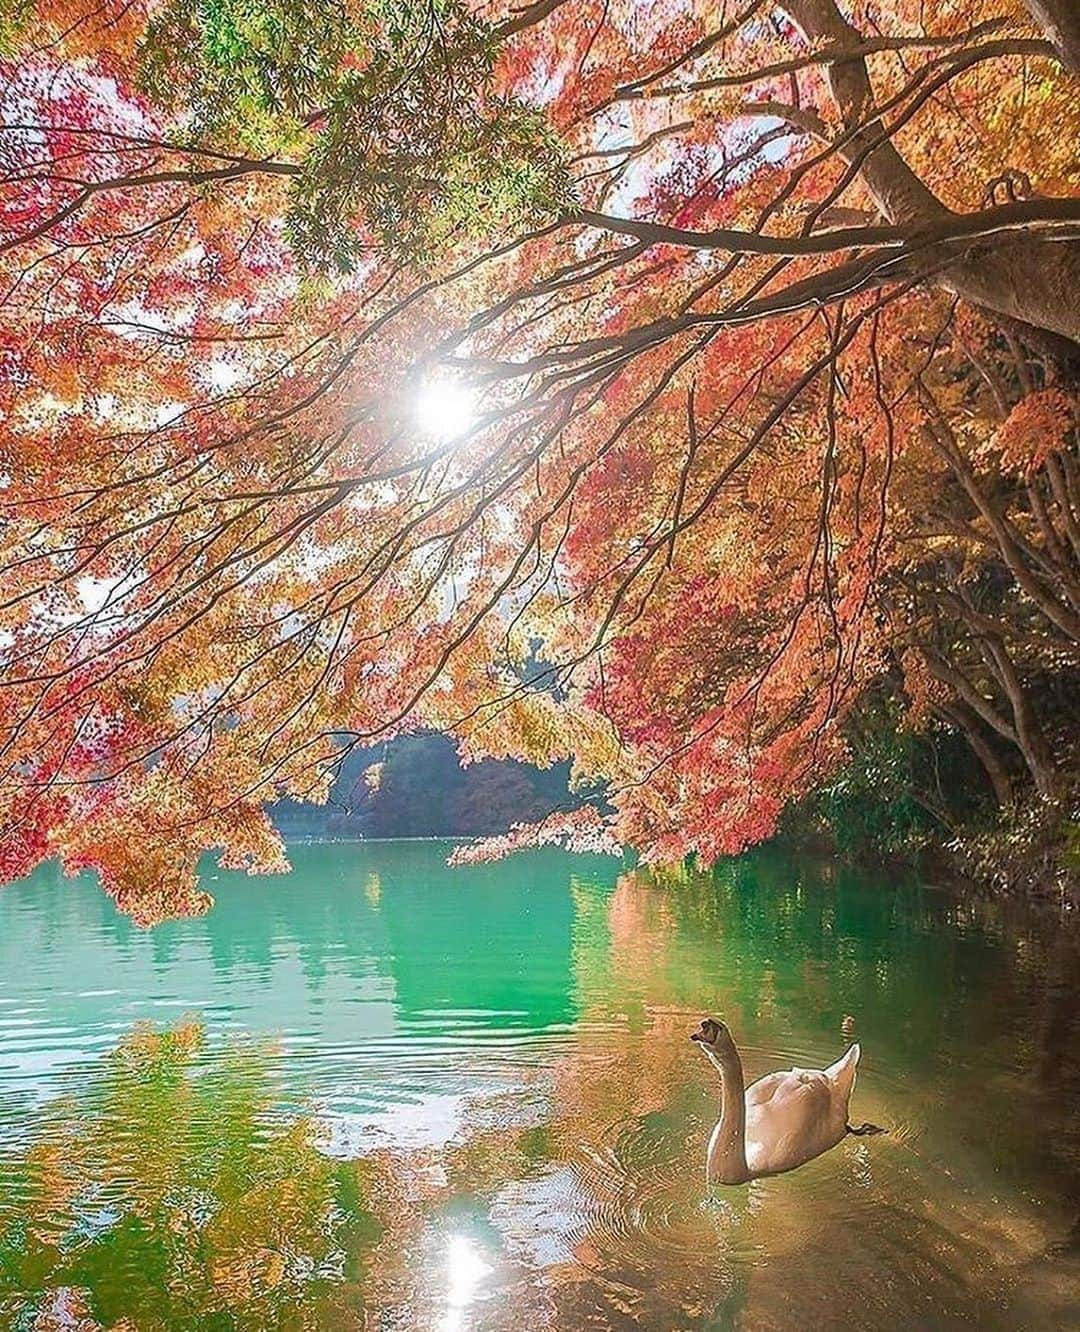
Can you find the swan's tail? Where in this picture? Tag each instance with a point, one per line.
(842, 1073)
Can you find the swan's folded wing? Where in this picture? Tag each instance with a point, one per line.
(763, 1091)
(789, 1082)
(790, 1118)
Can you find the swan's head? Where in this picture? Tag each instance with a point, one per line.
(713, 1035)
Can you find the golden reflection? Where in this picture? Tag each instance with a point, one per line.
(373, 889)
(168, 1193)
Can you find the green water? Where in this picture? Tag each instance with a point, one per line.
(382, 1094)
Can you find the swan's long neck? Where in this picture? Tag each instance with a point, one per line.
(726, 1161)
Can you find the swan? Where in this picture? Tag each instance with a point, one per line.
(779, 1122)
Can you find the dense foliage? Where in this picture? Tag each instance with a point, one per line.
(349, 351)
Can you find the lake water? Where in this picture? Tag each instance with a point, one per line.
(383, 1094)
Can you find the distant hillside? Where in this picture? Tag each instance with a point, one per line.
(422, 791)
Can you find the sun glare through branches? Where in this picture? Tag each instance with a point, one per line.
(445, 409)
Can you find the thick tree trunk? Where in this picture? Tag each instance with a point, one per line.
(1031, 280)
(1034, 281)
(1060, 21)
(898, 192)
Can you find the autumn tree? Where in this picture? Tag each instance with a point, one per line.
(748, 340)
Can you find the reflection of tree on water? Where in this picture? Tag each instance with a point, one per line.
(166, 1196)
(569, 1193)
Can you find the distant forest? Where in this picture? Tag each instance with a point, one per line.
(414, 786)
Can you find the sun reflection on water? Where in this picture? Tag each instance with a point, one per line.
(465, 1273)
